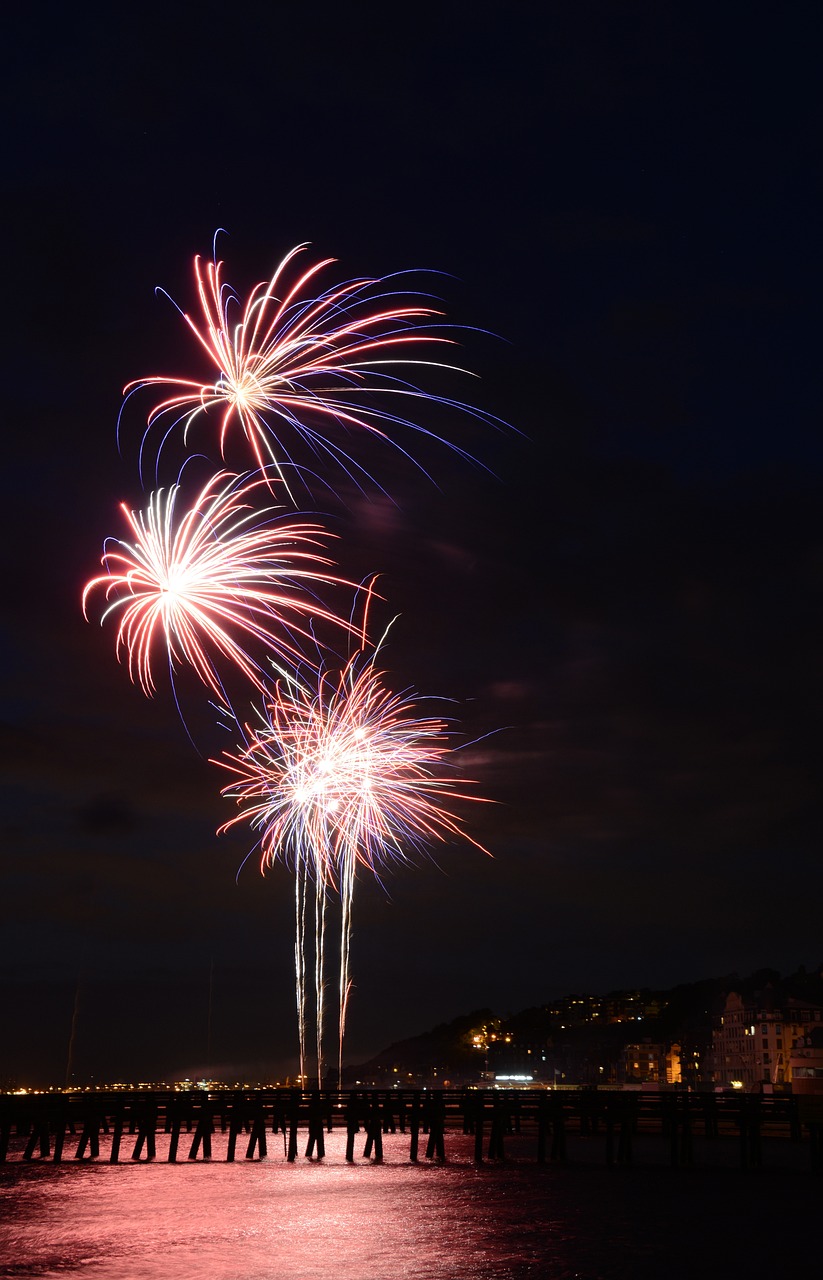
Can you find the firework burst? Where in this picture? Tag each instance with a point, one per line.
(343, 775)
(212, 580)
(295, 362)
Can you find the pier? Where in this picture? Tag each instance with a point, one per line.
(618, 1128)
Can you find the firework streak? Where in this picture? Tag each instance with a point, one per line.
(342, 775)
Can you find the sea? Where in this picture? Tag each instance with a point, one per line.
(397, 1220)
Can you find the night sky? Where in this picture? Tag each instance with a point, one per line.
(624, 592)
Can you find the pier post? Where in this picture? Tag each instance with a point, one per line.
(585, 1113)
(352, 1124)
(39, 1136)
(686, 1145)
(117, 1133)
(743, 1136)
(749, 1133)
(414, 1126)
(436, 1147)
(467, 1109)
(59, 1130)
(90, 1137)
(610, 1132)
(667, 1104)
(542, 1127)
(498, 1128)
(293, 1117)
(235, 1120)
(174, 1141)
(257, 1137)
(794, 1120)
(146, 1128)
(203, 1131)
(374, 1130)
(315, 1138)
(753, 1106)
(627, 1122)
(173, 1124)
(558, 1151)
(479, 1107)
(809, 1113)
(234, 1115)
(278, 1119)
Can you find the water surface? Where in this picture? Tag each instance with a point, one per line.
(269, 1220)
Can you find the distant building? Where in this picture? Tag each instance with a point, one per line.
(674, 1067)
(648, 1062)
(733, 1046)
(644, 1063)
(806, 1062)
(753, 1039)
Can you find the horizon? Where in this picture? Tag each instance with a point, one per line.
(287, 1068)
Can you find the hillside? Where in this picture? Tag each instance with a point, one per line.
(579, 1037)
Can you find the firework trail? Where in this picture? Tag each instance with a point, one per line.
(343, 775)
(212, 580)
(293, 363)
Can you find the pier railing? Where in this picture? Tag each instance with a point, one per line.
(540, 1125)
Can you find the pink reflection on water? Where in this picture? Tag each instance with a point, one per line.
(269, 1220)
(254, 1220)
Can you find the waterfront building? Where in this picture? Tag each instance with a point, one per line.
(806, 1062)
(644, 1063)
(753, 1038)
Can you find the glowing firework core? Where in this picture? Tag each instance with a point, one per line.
(346, 773)
(193, 579)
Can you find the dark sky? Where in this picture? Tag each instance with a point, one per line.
(622, 201)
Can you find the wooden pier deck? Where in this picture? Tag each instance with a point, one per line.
(537, 1125)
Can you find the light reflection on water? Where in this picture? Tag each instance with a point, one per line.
(396, 1221)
